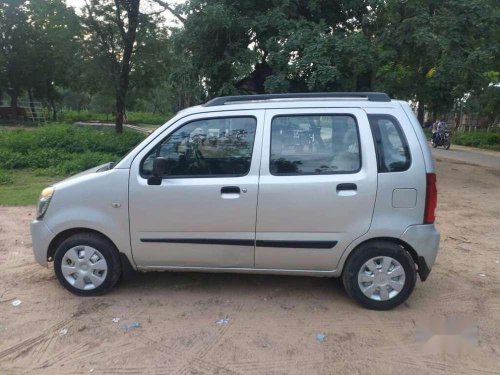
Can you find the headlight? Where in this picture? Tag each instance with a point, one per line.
(44, 201)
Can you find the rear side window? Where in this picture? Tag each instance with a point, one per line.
(393, 154)
(314, 144)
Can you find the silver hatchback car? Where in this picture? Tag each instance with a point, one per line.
(322, 184)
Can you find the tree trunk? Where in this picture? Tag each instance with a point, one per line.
(128, 37)
(13, 103)
(53, 106)
(420, 112)
(51, 96)
(32, 105)
(354, 83)
(120, 110)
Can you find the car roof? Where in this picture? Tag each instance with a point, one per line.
(370, 96)
(289, 104)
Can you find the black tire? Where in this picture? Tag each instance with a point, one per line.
(108, 251)
(434, 144)
(373, 249)
(447, 145)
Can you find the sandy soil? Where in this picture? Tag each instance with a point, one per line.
(272, 320)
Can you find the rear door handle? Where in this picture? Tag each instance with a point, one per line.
(343, 187)
(230, 190)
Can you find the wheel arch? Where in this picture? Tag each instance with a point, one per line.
(408, 248)
(127, 268)
(65, 234)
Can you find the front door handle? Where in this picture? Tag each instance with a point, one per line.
(230, 190)
(341, 187)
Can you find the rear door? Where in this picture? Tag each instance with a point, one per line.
(317, 187)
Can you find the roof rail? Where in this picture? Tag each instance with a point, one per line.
(371, 96)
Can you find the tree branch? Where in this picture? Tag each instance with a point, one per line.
(119, 21)
(170, 9)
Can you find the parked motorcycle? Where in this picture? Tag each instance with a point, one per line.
(442, 139)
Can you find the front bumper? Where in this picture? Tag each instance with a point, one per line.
(41, 237)
(424, 239)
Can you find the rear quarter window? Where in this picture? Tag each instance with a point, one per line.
(391, 146)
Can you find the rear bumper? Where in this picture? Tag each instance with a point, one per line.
(424, 239)
(41, 237)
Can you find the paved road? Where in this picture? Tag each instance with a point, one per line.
(490, 159)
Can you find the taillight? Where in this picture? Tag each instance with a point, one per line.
(430, 199)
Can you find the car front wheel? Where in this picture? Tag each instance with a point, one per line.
(87, 264)
(380, 275)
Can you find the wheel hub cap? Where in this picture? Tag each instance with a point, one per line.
(381, 278)
(84, 267)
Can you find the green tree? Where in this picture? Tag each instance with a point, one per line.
(435, 51)
(112, 29)
(37, 45)
(124, 39)
(15, 46)
(56, 41)
(267, 46)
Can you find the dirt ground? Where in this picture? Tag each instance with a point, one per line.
(272, 321)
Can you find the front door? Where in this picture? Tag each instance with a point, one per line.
(204, 211)
(317, 187)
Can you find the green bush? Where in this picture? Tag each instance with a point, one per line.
(12, 159)
(81, 162)
(64, 149)
(488, 140)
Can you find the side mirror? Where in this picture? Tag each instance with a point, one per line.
(161, 167)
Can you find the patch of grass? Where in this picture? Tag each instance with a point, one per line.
(31, 159)
(5, 178)
(70, 117)
(24, 187)
(486, 140)
(64, 149)
(9, 124)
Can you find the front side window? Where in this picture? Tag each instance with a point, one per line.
(393, 154)
(207, 148)
(314, 144)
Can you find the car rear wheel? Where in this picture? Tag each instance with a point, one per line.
(87, 264)
(380, 275)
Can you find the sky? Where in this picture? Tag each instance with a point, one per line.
(80, 3)
(77, 4)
